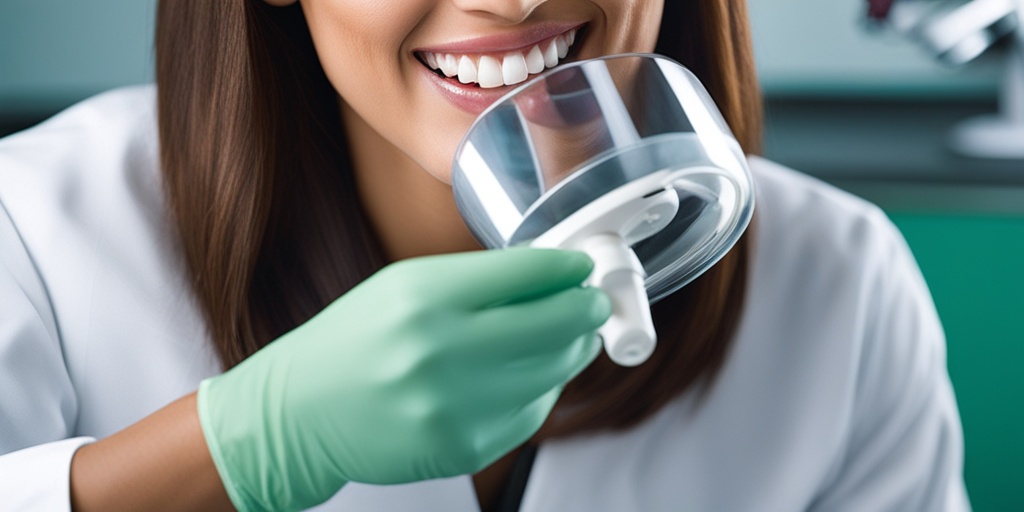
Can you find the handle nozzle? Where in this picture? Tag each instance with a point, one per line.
(629, 336)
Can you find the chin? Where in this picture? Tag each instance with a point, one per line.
(440, 171)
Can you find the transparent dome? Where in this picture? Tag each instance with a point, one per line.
(619, 128)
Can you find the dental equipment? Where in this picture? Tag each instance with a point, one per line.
(625, 158)
(957, 32)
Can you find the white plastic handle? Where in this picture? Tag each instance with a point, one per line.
(605, 229)
(629, 336)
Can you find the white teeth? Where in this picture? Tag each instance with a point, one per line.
(490, 72)
(467, 70)
(513, 69)
(449, 66)
(551, 55)
(563, 47)
(535, 60)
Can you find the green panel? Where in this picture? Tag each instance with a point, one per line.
(975, 269)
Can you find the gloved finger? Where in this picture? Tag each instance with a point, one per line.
(525, 329)
(508, 431)
(524, 380)
(489, 278)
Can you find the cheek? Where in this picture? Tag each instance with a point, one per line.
(649, 23)
(356, 41)
(362, 51)
(633, 25)
(435, 145)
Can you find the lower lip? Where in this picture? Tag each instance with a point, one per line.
(469, 98)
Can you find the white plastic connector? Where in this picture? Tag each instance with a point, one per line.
(605, 229)
(629, 336)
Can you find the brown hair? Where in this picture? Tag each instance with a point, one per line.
(260, 187)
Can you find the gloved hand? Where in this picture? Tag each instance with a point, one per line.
(433, 367)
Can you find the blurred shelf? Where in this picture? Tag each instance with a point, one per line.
(893, 152)
(10, 123)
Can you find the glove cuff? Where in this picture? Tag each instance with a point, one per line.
(209, 434)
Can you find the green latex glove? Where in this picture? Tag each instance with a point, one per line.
(433, 367)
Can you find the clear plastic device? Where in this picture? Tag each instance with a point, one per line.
(624, 157)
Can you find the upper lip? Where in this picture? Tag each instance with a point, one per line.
(504, 42)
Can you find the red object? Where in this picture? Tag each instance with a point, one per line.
(879, 9)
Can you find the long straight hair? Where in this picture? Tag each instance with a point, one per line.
(261, 189)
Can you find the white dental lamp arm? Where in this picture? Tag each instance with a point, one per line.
(1000, 135)
(956, 32)
(1012, 100)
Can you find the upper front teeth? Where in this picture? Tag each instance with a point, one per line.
(509, 69)
(535, 60)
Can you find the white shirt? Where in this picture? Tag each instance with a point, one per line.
(834, 397)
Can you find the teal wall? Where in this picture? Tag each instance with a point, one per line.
(54, 52)
(974, 265)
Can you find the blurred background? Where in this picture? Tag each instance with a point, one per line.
(865, 109)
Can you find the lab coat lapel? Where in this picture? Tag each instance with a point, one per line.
(545, 491)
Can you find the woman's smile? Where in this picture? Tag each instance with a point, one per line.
(489, 65)
(436, 65)
(473, 74)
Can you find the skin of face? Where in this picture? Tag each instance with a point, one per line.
(402, 131)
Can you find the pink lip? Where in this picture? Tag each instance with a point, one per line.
(469, 98)
(504, 42)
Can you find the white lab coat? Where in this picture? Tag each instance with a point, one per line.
(835, 396)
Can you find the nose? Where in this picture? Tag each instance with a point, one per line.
(512, 11)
